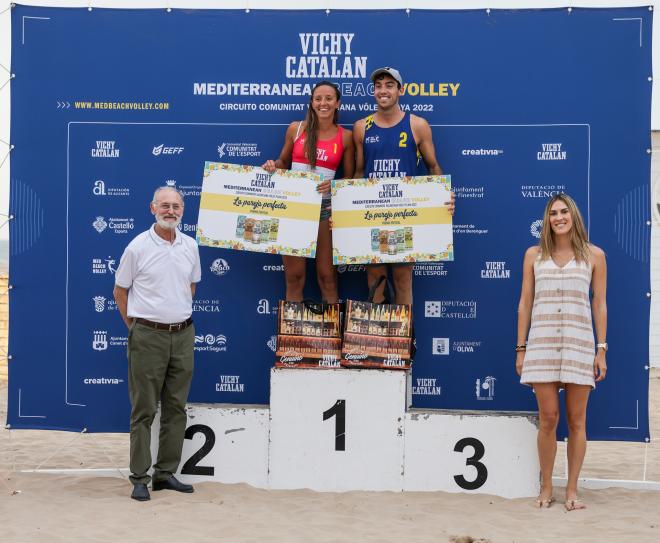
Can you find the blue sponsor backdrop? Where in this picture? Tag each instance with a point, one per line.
(109, 104)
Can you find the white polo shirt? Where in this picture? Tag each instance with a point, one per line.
(158, 275)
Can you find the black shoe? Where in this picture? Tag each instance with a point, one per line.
(140, 492)
(172, 484)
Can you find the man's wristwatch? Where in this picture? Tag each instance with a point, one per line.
(602, 346)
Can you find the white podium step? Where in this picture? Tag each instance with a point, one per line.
(337, 430)
(340, 429)
(226, 443)
(472, 451)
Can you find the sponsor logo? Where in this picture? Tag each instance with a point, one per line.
(272, 343)
(119, 225)
(541, 191)
(291, 357)
(99, 224)
(101, 304)
(469, 229)
(443, 346)
(105, 149)
(372, 139)
(238, 150)
(451, 309)
(326, 55)
(485, 388)
(163, 149)
(184, 227)
(202, 305)
(210, 343)
(230, 383)
(99, 189)
(271, 268)
(426, 387)
(440, 346)
(356, 355)
(482, 152)
(430, 269)
(220, 267)
(185, 190)
(329, 361)
(265, 307)
(394, 360)
(102, 381)
(351, 268)
(468, 192)
(103, 265)
(495, 270)
(551, 151)
(465, 346)
(535, 228)
(100, 340)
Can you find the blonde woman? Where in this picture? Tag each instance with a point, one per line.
(555, 347)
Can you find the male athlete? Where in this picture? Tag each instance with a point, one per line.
(390, 143)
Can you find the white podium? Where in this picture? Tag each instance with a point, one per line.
(347, 429)
(337, 429)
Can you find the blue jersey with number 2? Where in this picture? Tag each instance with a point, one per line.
(389, 152)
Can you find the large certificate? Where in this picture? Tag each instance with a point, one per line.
(248, 209)
(384, 220)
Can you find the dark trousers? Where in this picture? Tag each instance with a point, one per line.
(160, 366)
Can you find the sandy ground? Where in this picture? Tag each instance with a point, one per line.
(44, 507)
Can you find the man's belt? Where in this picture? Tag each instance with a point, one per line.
(175, 327)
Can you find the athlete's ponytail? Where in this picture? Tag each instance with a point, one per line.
(312, 123)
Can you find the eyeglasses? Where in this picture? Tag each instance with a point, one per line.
(173, 207)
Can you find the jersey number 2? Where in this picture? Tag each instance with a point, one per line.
(403, 138)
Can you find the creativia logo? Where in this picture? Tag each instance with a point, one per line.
(104, 265)
(99, 303)
(482, 152)
(485, 389)
(220, 266)
(100, 340)
(277, 268)
(99, 224)
(272, 343)
(166, 150)
(440, 345)
(99, 188)
(535, 228)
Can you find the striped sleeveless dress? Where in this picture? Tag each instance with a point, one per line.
(560, 345)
